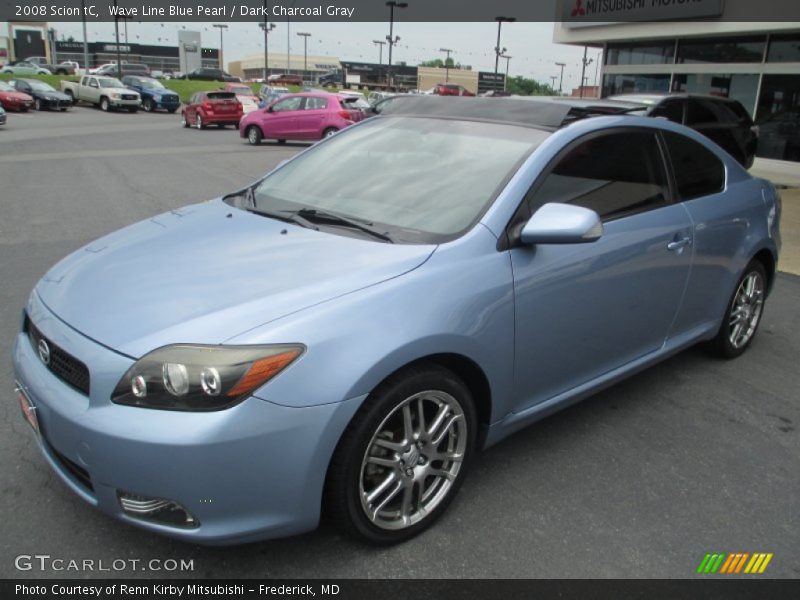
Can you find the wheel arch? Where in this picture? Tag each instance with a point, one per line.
(767, 258)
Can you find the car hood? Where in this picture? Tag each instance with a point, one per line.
(207, 272)
(18, 96)
(119, 90)
(159, 91)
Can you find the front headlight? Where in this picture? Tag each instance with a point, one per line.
(114, 95)
(201, 378)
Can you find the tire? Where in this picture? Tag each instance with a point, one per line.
(744, 311)
(386, 454)
(172, 110)
(104, 105)
(184, 120)
(254, 135)
(329, 132)
(281, 141)
(37, 104)
(198, 122)
(63, 109)
(147, 105)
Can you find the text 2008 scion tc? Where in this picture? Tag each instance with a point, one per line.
(346, 333)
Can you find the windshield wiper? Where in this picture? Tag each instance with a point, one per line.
(320, 216)
(280, 215)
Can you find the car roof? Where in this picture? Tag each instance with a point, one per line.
(537, 113)
(656, 98)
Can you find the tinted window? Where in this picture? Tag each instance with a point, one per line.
(641, 53)
(288, 104)
(722, 50)
(669, 109)
(784, 48)
(700, 112)
(315, 103)
(615, 175)
(698, 172)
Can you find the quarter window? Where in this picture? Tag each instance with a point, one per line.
(698, 172)
(669, 109)
(615, 175)
(315, 103)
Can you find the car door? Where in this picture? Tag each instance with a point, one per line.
(583, 310)
(91, 90)
(280, 120)
(310, 119)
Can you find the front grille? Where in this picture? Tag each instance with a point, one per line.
(80, 474)
(129, 97)
(62, 364)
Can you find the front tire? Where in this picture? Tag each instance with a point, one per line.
(104, 106)
(403, 457)
(37, 104)
(147, 105)
(744, 313)
(329, 132)
(254, 135)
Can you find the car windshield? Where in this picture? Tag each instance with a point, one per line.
(4, 87)
(41, 86)
(151, 83)
(109, 82)
(241, 89)
(420, 180)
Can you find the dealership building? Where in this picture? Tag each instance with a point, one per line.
(757, 63)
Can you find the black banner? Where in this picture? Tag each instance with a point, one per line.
(576, 13)
(733, 588)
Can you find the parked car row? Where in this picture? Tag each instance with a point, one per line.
(24, 94)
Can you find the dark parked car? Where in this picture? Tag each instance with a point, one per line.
(154, 94)
(218, 108)
(205, 74)
(780, 135)
(127, 69)
(44, 95)
(724, 120)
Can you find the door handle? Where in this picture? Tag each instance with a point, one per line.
(679, 244)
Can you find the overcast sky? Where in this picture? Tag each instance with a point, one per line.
(529, 44)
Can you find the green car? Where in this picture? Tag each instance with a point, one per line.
(25, 68)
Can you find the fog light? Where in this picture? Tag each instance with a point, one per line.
(139, 386)
(159, 510)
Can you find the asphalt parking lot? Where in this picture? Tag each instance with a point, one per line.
(693, 456)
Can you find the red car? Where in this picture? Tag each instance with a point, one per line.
(218, 108)
(11, 99)
(307, 116)
(451, 89)
(244, 94)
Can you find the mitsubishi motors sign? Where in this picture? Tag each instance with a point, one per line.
(577, 13)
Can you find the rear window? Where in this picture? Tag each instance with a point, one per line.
(221, 96)
(698, 171)
(354, 102)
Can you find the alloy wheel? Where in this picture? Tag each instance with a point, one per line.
(198, 122)
(413, 460)
(746, 312)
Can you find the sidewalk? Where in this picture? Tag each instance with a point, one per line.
(790, 231)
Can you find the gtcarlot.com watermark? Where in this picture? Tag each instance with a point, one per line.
(46, 562)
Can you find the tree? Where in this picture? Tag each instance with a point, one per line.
(440, 64)
(522, 86)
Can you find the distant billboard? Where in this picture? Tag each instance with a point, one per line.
(189, 50)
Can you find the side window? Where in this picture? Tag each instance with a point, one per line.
(700, 112)
(288, 104)
(698, 172)
(315, 103)
(671, 109)
(615, 174)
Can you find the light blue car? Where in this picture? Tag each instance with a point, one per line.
(344, 335)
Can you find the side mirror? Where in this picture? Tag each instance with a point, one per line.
(562, 224)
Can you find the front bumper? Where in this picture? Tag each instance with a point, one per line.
(168, 104)
(251, 472)
(56, 104)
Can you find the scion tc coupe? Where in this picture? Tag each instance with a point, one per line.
(343, 335)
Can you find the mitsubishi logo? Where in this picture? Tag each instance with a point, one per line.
(578, 10)
(44, 351)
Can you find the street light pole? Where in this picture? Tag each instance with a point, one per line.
(508, 60)
(85, 43)
(553, 81)
(116, 35)
(267, 28)
(305, 37)
(221, 29)
(497, 49)
(561, 81)
(392, 4)
(446, 63)
(380, 44)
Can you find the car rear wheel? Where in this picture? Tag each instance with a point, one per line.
(147, 105)
(403, 457)
(254, 135)
(743, 314)
(198, 122)
(104, 106)
(329, 132)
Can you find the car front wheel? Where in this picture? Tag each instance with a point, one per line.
(743, 314)
(37, 104)
(329, 132)
(104, 106)
(147, 105)
(403, 457)
(254, 135)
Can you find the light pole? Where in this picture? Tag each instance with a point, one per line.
(85, 43)
(505, 81)
(553, 81)
(116, 35)
(267, 28)
(497, 49)
(446, 63)
(221, 29)
(305, 37)
(561, 80)
(586, 62)
(392, 4)
(380, 44)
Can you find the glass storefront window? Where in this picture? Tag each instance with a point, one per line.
(740, 86)
(647, 53)
(778, 117)
(784, 48)
(634, 84)
(722, 50)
